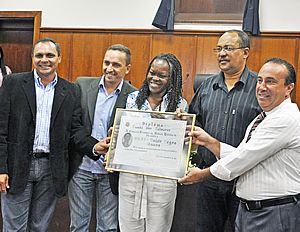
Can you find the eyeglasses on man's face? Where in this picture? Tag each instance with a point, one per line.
(226, 48)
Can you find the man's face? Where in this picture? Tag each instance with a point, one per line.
(114, 66)
(45, 59)
(233, 61)
(270, 89)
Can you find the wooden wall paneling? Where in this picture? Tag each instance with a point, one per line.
(268, 47)
(265, 48)
(65, 41)
(184, 48)
(88, 50)
(206, 61)
(139, 45)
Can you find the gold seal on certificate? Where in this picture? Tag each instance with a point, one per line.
(150, 143)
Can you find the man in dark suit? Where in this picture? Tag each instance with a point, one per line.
(99, 99)
(39, 116)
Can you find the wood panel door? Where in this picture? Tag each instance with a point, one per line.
(18, 31)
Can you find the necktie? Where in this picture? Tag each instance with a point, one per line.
(259, 119)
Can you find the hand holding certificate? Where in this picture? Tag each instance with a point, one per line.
(150, 143)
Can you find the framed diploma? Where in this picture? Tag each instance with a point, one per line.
(150, 143)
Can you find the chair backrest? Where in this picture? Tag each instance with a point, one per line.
(199, 78)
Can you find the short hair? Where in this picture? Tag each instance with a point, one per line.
(291, 76)
(122, 48)
(45, 40)
(174, 90)
(244, 40)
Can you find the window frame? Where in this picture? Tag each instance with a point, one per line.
(206, 18)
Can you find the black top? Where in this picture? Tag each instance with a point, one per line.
(225, 115)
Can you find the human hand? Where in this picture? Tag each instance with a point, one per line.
(199, 136)
(3, 183)
(102, 146)
(180, 114)
(194, 175)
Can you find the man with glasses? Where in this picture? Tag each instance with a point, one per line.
(225, 104)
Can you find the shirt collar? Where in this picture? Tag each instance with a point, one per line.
(117, 90)
(281, 105)
(38, 82)
(218, 82)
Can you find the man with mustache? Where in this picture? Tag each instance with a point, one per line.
(224, 104)
(100, 96)
(267, 160)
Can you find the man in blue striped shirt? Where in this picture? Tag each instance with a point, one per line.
(39, 116)
(225, 104)
(100, 96)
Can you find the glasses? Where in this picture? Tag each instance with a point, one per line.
(226, 48)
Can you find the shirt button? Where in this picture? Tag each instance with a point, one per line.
(223, 127)
(225, 112)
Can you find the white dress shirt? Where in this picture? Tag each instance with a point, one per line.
(268, 165)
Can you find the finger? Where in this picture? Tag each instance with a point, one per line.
(6, 184)
(184, 181)
(3, 188)
(110, 131)
(104, 164)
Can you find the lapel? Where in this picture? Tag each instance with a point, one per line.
(92, 94)
(29, 90)
(60, 93)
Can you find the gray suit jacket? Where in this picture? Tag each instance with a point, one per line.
(89, 87)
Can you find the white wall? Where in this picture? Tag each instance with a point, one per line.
(279, 15)
(275, 15)
(89, 13)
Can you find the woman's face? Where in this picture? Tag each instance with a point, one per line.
(158, 77)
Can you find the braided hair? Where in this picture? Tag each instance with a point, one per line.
(174, 89)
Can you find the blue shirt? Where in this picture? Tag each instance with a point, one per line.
(44, 102)
(103, 110)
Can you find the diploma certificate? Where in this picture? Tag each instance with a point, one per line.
(149, 143)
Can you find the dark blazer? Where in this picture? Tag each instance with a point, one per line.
(89, 87)
(17, 129)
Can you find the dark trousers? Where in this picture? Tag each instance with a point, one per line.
(216, 206)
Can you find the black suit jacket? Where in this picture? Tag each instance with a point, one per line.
(17, 129)
(89, 87)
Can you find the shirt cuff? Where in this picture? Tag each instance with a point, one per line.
(94, 151)
(225, 150)
(220, 172)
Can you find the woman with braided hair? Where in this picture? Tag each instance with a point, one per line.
(146, 203)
